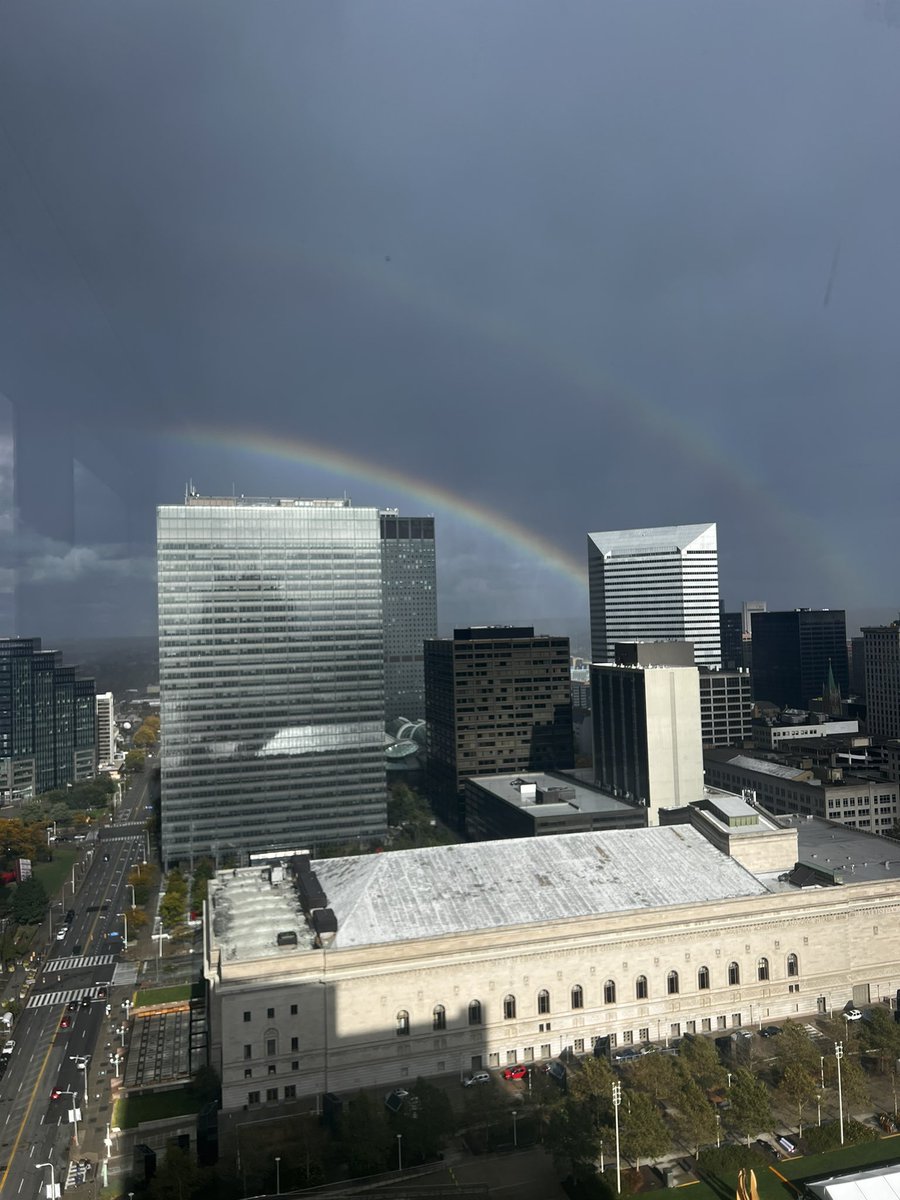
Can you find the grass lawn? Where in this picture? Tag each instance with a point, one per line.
(130, 1111)
(166, 995)
(814, 1166)
(53, 874)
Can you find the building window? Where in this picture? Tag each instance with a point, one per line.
(543, 1002)
(248, 1051)
(672, 983)
(253, 1097)
(475, 1012)
(793, 966)
(439, 1017)
(577, 996)
(295, 1065)
(293, 1010)
(295, 1043)
(703, 979)
(511, 1058)
(528, 1053)
(509, 1008)
(762, 970)
(270, 1014)
(402, 1023)
(644, 1034)
(272, 1068)
(246, 1016)
(609, 992)
(640, 987)
(290, 1092)
(248, 1072)
(734, 974)
(271, 1094)
(271, 1046)
(579, 1045)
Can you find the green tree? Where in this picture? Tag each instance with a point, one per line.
(700, 1060)
(750, 1109)
(134, 761)
(365, 1135)
(435, 1117)
(572, 1137)
(657, 1074)
(590, 1087)
(797, 1088)
(29, 904)
(695, 1119)
(642, 1131)
(794, 1047)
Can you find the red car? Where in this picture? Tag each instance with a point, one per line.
(65, 1023)
(518, 1072)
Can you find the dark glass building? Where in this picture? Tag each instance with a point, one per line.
(497, 700)
(410, 611)
(732, 641)
(48, 728)
(792, 652)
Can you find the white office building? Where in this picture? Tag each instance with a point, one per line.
(655, 585)
(106, 727)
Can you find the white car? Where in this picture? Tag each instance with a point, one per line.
(61, 934)
(478, 1077)
(8, 1047)
(852, 1014)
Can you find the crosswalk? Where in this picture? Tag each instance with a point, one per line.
(79, 962)
(129, 837)
(44, 999)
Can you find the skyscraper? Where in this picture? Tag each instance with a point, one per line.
(792, 652)
(655, 584)
(271, 675)
(106, 727)
(498, 699)
(48, 729)
(882, 675)
(410, 610)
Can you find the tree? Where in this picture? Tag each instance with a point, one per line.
(365, 1136)
(750, 1110)
(29, 904)
(591, 1088)
(572, 1136)
(658, 1075)
(695, 1119)
(134, 761)
(700, 1059)
(797, 1088)
(642, 1131)
(793, 1047)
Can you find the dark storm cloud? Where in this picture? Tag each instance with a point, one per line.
(570, 259)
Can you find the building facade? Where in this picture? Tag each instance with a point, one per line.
(498, 700)
(271, 675)
(456, 959)
(106, 727)
(48, 730)
(655, 585)
(792, 652)
(409, 583)
(726, 706)
(645, 713)
(881, 656)
(538, 804)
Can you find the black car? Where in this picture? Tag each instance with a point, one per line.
(70, 916)
(85, 1002)
(768, 1031)
(77, 948)
(71, 1006)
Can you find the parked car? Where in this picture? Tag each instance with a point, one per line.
(8, 1047)
(477, 1077)
(628, 1054)
(852, 1014)
(768, 1031)
(517, 1072)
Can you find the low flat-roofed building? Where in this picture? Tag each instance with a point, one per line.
(861, 800)
(536, 804)
(343, 973)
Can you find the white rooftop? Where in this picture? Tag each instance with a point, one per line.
(769, 768)
(661, 538)
(880, 1183)
(443, 890)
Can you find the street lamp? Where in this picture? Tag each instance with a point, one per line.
(729, 1078)
(81, 1064)
(124, 917)
(718, 1131)
(822, 1071)
(54, 1187)
(819, 1107)
(399, 1151)
(515, 1132)
(74, 1113)
(617, 1100)
(277, 1175)
(838, 1055)
(130, 886)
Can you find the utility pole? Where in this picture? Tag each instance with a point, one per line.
(617, 1100)
(839, 1054)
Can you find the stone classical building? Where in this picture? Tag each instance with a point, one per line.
(338, 974)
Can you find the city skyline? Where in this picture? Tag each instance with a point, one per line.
(297, 281)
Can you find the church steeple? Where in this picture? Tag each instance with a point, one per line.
(831, 695)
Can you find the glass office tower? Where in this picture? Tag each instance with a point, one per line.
(410, 611)
(271, 675)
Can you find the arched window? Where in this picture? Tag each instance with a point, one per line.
(270, 1038)
(509, 1007)
(640, 987)
(577, 996)
(672, 983)
(609, 992)
(439, 1017)
(475, 1012)
(734, 974)
(543, 1002)
(793, 966)
(703, 979)
(762, 969)
(402, 1023)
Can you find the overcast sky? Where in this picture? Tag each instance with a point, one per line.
(589, 265)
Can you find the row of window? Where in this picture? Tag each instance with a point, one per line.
(576, 996)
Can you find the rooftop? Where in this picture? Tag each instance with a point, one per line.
(662, 538)
(580, 795)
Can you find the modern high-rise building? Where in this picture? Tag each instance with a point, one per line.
(498, 699)
(647, 735)
(655, 585)
(271, 675)
(732, 640)
(881, 655)
(106, 727)
(48, 730)
(726, 706)
(792, 652)
(410, 610)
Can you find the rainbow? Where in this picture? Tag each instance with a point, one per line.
(432, 495)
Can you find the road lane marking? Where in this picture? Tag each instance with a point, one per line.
(19, 1135)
